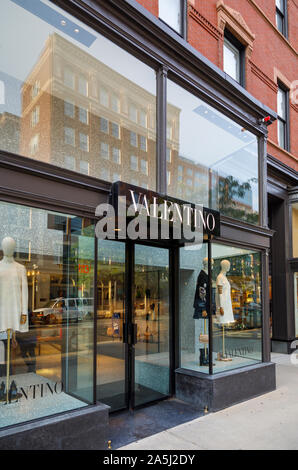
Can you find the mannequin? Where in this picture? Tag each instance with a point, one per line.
(13, 290)
(201, 306)
(224, 303)
(13, 301)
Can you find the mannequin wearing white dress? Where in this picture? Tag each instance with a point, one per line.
(224, 304)
(13, 290)
(223, 295)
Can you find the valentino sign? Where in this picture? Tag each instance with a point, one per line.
(136, 213)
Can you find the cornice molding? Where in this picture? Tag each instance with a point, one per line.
(262, 76)
(202, 21)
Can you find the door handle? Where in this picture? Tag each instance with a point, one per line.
(134, 335)
(130, 333)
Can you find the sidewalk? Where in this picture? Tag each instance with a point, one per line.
(266, 422)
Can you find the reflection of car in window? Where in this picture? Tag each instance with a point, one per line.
(63, 310)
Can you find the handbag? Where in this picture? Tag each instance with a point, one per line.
(203, 338)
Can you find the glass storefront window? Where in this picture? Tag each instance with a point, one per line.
(46, 313)
(193, 282)
(214, 161)
(236, 308)
(68, 94)
(295, 230)
(237, 325)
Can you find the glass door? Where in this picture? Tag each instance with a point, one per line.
(111, 352)
(151, 321)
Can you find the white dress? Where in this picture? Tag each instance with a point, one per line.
(224, 300)
(13, 296)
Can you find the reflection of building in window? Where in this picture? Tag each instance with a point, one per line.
(83, 115)
(84, 167)
(104, 150)
(35, 116)
(69, 136)
(70, 162)
(69, 109)
(84, 142)
(116, 155)
(34, 142)
(35, 89)
(9, 132)
(134, 162)
(144, 166)
(74, 84)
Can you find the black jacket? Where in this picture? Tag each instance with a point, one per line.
(201, 300)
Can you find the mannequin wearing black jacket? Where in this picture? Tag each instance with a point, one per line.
(201, 308)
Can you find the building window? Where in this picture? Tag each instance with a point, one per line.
(83, 115)
(84, 167)
(169, 130)
(105, 174)
(134, 162)
(104, 97)
(233, 58)
(143, 143)
(34, 143)
(115, 103)
(96, 78)
(144, 166)
(70, 162)
(115, 130)
(143, 118)
(168, 177)
(51, 296)
(69, 109)
(283, 116)
(133, 113)
(35, 89)
(69, 80)
(168, 155)
(83, 86)
(281, 16)
(104, 125)
(133, 139)
(104, 150)
(236, 305)
(229, 184)
(69, 136)
(35, 116)
(172, 12)
(84, 142)
(116, 155)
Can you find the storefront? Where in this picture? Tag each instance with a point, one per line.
(98, 94)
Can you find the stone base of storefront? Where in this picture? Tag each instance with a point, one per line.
(83, 429)
(222, 390)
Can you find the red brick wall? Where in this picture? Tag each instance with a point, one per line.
(270, 52)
